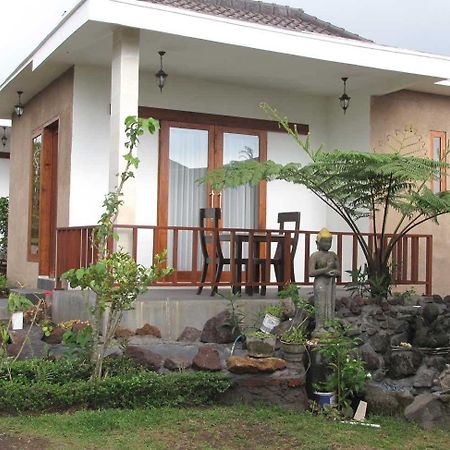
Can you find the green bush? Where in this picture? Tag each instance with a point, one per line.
(142, 389)
(42, 385)
(64, 370)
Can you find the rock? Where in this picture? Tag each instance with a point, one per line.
(123, 332)
(175, 363)
(190, 334)
(144, 357)
(207, 358)
(55, 336)
(78, 326)
(404, 363)
(218, 330)
(281, 328)
(380, 342)
(444, 378)
(424, 377)
(430, 411)
(18, 336)
(356, 305)
(149, 330)
(435, 362)
(384, 399)
(288, 308)
(238, 364)
(372, 360)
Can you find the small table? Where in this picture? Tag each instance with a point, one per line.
(256, 238)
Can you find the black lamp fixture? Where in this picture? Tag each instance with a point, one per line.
(19, 107)
(344, 99)
(161, 76)
(4, 138)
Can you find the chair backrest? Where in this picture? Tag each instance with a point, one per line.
(285, 218)
(209, 214)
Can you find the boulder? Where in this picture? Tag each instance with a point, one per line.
(207, 358)
(55, 336)
(424, 377)
(190, 334)
(123, 332)
(18, 336)
(404, 363)
(372, 360)
(430, 411)
(149, 330)
(288, 308)
(238, 364)
(177, 363)
(444, 378)
(218, 329)
(380, 342)
(387, 400)
(144, 357)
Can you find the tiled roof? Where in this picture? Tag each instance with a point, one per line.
(262, 13)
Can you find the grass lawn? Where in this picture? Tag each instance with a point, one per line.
(238, 427)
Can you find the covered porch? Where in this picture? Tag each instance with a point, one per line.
(411, 262)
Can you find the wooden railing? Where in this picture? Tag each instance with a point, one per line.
(411, 260)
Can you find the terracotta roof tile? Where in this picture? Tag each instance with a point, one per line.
(262, 13)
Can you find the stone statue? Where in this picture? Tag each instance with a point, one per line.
(324, 267)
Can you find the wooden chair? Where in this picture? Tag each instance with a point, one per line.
(284, 219)
(207, 241)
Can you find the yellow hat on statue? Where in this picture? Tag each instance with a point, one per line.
(324, 233)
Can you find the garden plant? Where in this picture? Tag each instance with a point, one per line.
(357, 185)
(116, 279)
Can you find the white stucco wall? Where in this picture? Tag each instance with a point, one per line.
(90, 148)
(4, 177)
(90, 144)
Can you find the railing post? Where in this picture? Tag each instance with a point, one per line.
(429, 266)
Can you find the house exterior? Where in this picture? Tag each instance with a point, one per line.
(223, 58)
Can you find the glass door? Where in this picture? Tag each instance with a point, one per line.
(187, 152)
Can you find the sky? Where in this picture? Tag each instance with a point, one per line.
(415, 24)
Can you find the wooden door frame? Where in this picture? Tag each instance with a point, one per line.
(48, 199)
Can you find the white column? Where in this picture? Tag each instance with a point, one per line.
(124, 102)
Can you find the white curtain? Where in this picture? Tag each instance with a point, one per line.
(188, 161)
(240, 205)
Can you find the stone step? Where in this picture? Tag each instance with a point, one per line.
(46, 283)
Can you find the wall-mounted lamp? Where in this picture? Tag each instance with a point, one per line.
(4, 138)
(18, 109)
(161, 76)
(344, 99)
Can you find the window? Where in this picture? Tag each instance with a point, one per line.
(438, 152)
(35, 198)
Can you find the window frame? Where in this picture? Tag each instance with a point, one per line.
(442, 135)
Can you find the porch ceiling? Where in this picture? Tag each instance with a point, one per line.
(91, 44)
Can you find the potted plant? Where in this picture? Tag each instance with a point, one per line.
(347, 375)
(293, 342)
(272, 317)
(260, 344)
(17, 304)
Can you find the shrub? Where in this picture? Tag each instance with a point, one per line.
(141, 389)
